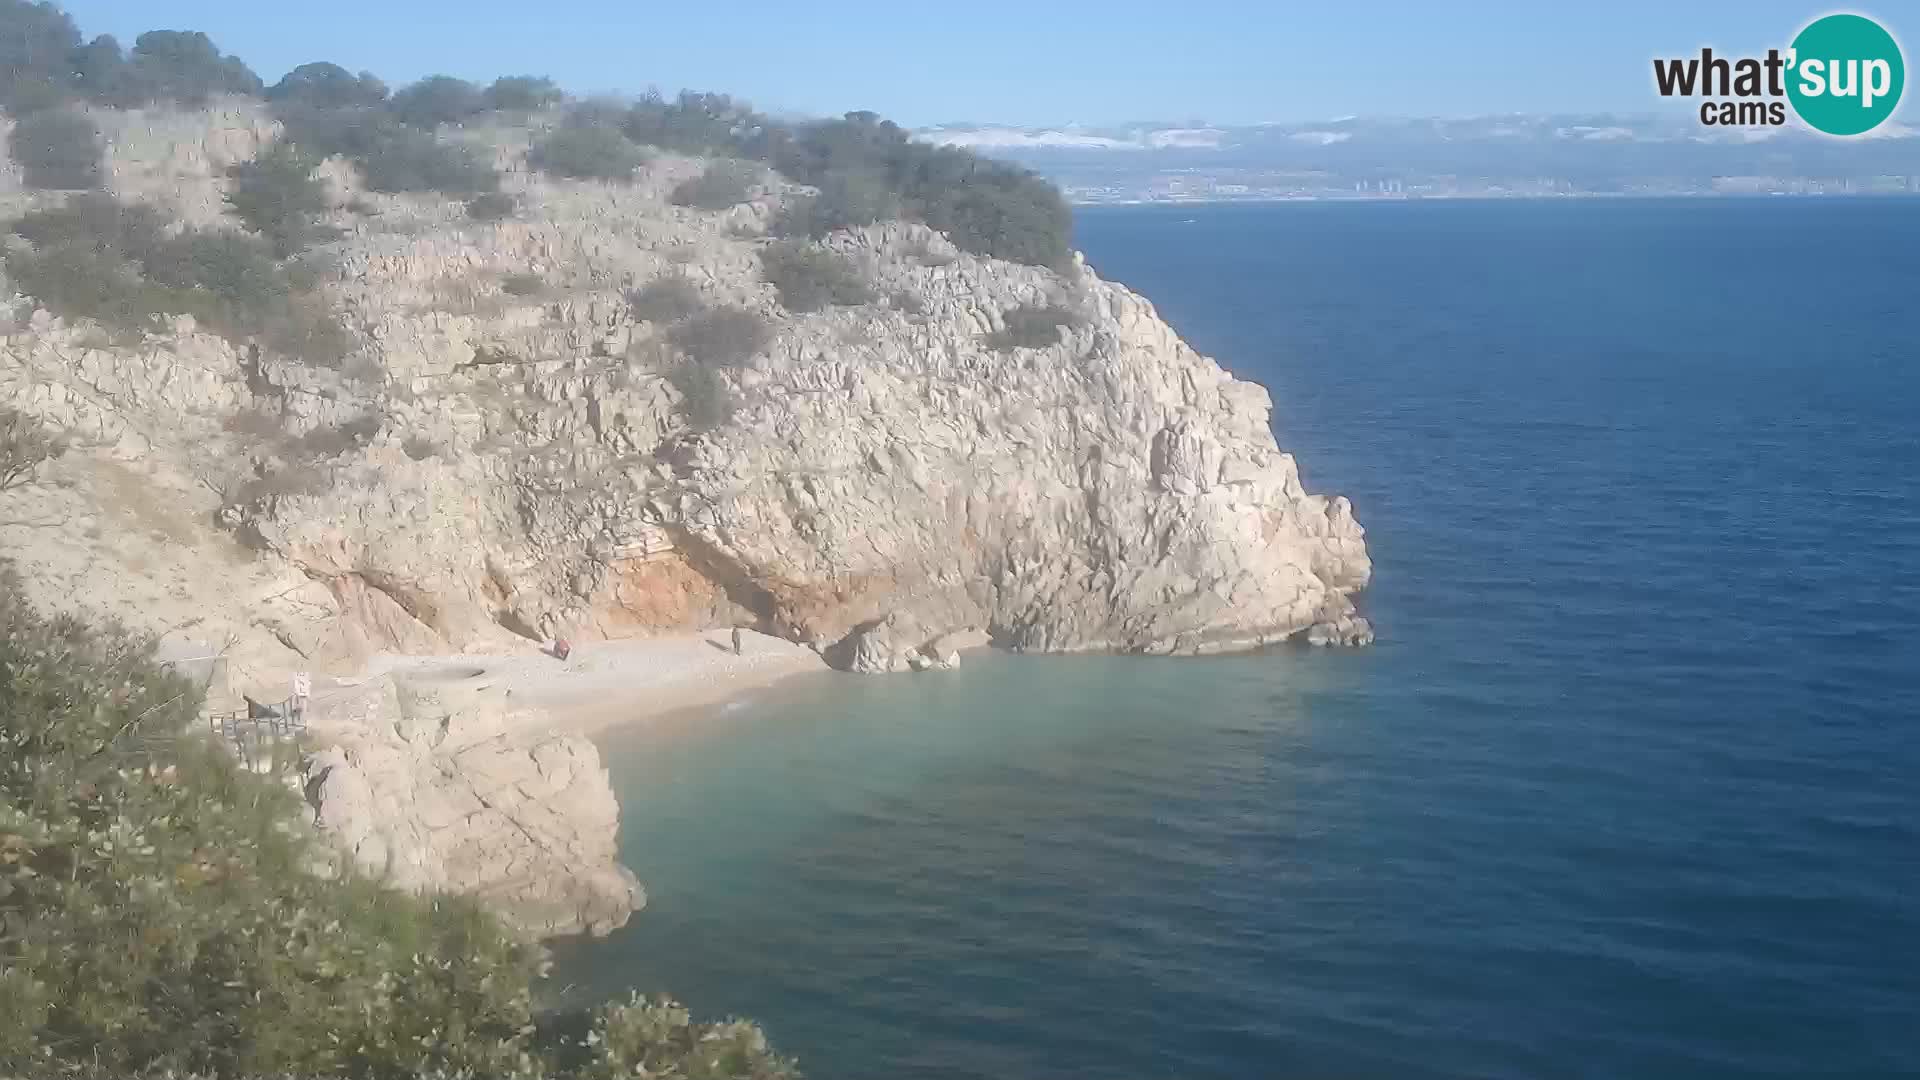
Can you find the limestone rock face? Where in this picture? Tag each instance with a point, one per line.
(438, 789)
(498, 464)
(884, 476)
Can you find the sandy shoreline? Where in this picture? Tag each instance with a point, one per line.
(611, 683)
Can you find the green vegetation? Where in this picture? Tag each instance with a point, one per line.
(437, 100)
(521, 93)
(44, 64)
(417, 161)
(162, 913)
(328, 86)
(1032, 326)
(847, 200)
(277, 196)
(523, 284)
(695, 123)
(665, 299)
(724, 184)
(809, 277)
(492, 206)
(725, 337)
(24, 447)
(185, 67)
(97, 258)
(57, 149)
(587, 153)
(867, 169)
(392, 156)
(706, 399)
(906, 301)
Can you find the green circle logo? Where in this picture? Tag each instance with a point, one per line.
(1845, 74)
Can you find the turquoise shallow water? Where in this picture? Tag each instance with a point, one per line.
(1627, 789)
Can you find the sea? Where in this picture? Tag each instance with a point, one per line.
(1628, 788)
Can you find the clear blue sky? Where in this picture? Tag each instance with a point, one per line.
(1018, 61)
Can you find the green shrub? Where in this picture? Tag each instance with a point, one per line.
(985, 207)
(724, 337)
(392, 157)
(492, 206)
(96, 258)
(809, 277)
(161, 915)
(419, 447)
(723, 185)
(521, 93)
(328, 86)
(184, 66)
(24, 446)
(523, 284)
(437, 100)
(660, 1038)
(847, 200)
(96, 221)
(665, 299)
(353, 132)
(1032, 327)
(56, 149)
(277, 196)
(706, 399)
(906, 300)
(587, 153)
(333, 440)
(36, 42)
(693, 123)
(416, 161)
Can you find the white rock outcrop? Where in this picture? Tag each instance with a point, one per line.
(436, 787)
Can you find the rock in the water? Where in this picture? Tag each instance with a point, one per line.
(1347, 630)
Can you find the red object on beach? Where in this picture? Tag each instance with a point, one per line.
(561, 648)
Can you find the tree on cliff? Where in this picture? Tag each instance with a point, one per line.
(24, 447)
(328, 86)
(162, 911)
(56, 149)
(279, 197)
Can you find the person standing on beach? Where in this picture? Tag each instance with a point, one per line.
(736, 641)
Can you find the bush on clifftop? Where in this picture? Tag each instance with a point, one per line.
(868, 169)
(1032, 326)
(436, 100)
(587, 153)
(521, 93)
(723, 185)
(57, 149)
(161, 914)
(328, 86)
(278, 196)
(98, 258)
(809, 277)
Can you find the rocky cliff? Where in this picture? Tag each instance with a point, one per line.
(433, 783)
(507, 453)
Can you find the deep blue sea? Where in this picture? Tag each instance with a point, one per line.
(1630, 786)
